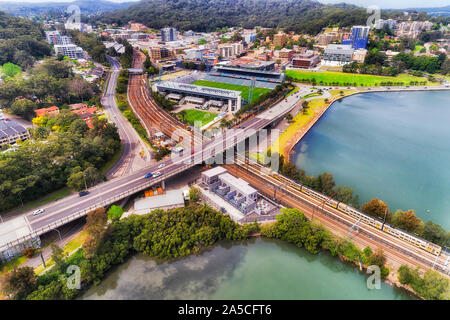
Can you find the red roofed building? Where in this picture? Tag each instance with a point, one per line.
(49, 112)
(77, 106)
(86, 114)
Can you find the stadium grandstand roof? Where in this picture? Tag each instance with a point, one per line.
(170, 85)
(249, 70)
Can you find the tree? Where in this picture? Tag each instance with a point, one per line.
(377, 258)
(78, 126)
(10, 69)
(289, 117)
(436, 234)
(326, 183)
(77, 179)
(19, 283)
(115, 212)
(24, 108)
(375, 58)
(377, 208)
(29, 252)
(95, 229)
(194, 194)
(408, 221)
(59, 257)
(81, 88)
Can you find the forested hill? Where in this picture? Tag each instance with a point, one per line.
(21, 41)
(86, 6)
(207, 15)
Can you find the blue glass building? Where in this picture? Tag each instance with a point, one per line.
(358, 38)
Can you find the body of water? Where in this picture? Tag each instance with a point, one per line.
(254, 269)
(392, 145)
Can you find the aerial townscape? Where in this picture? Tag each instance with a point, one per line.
(224, 150)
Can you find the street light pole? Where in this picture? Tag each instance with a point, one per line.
(384, 220)
(84, 178)
(42, 257)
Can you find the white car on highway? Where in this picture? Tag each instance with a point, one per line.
(38, 211)
(162, 165)
(156, 174)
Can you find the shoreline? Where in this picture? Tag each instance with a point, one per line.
(303, 131)
(295, 139)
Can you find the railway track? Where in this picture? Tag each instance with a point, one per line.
(153, 117)
(397, 252)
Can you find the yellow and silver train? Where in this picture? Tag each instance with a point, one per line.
(401, 234)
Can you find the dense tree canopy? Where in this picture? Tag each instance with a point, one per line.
(208, 15)
(21, 41)
(54, 158)
(49, 83)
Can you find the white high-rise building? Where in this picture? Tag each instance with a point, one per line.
(69, 50)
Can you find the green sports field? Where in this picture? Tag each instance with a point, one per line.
(193, 115)
(243, 89)
(349, 79)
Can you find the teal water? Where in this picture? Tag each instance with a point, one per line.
(253, 269)
(392, 145)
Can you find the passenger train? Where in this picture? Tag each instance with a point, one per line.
(413, 239)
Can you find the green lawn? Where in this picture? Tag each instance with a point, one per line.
(243, 89)
(345, 79)
(193, 115)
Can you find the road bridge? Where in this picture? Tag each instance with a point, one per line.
(22, 229)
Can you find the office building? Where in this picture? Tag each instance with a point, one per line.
(305, 60)
(249, 37)
(53, 37)
(338, 53)
(358, 37)
(160, 53)
(70, 50)
(279, 39)
(168, 34)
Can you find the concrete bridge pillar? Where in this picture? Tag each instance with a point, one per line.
(163, 184)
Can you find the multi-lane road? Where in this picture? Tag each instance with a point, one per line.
(72, 207)
(132, 145)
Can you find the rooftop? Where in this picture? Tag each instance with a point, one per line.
(237, 183)
(199, 89)
(214, 172)
(170, 198)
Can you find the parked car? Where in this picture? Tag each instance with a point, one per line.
(38, 211)
(149, 175)
(83, 193)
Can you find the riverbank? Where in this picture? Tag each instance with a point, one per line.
(257, 268)
(304, 121)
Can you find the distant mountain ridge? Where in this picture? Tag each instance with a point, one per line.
(435, 11)
(207, 15)
(87, 7)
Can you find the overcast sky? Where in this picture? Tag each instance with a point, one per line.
(385, 4)
(394, 4)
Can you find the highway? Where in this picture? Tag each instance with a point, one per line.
(131, 142)
(70, 208)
